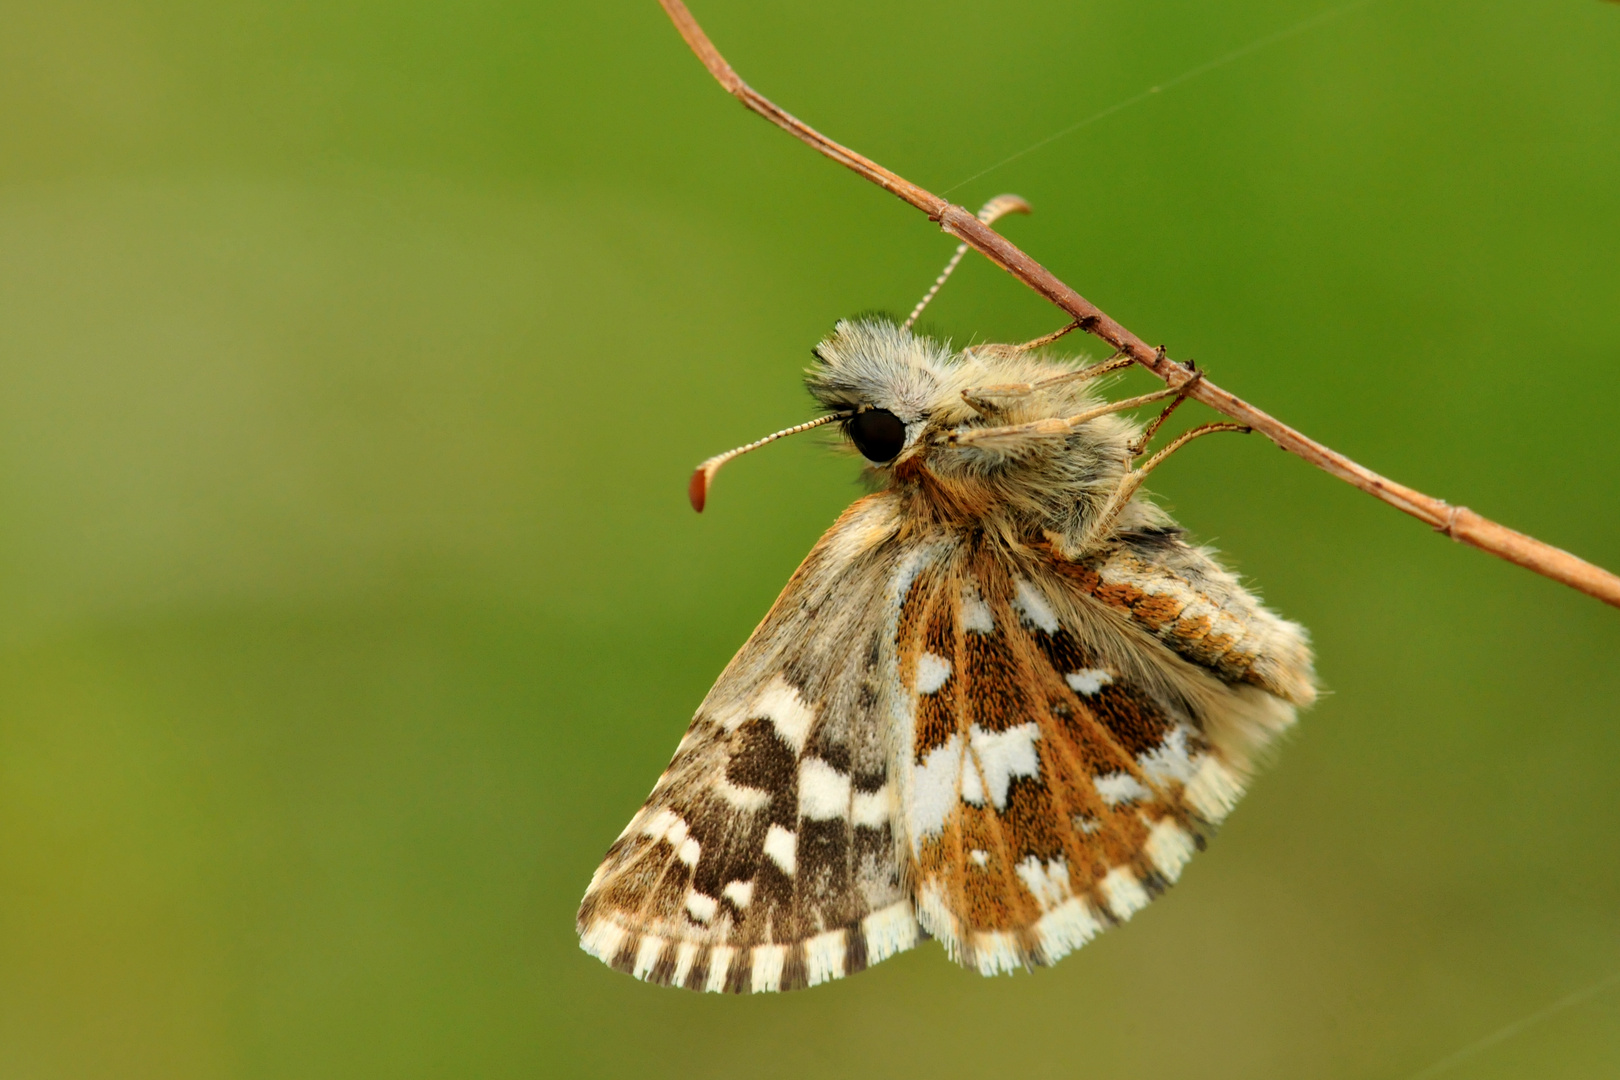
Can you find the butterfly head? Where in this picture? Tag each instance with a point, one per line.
(916, 409)
(949, 426)
(887, 386)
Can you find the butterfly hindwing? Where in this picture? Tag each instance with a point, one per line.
(1065, 760)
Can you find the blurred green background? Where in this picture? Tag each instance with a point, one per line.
(353, 359)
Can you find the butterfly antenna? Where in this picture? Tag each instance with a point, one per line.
(996, 208)
(703, 475)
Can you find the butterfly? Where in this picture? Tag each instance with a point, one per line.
(1001, 703)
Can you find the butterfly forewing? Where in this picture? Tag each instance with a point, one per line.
(765, 858)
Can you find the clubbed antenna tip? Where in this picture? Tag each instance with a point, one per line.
(697, 490)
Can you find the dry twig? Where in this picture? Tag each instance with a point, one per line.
(1457, 522)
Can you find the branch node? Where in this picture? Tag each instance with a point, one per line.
(1449, 526)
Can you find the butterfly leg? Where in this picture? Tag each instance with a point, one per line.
(1046, 339)
(1056, 425)
(985, 399)
(1103, 524)
(1139, 447)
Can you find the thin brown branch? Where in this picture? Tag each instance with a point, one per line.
(1457, 522)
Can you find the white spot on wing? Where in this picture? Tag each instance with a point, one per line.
(700, 907)
(1004, 755)
(1088, 681)
(907, 572)
(1118, 787)
(739, 797)
(732, 718)
(1000, 756)
(932, 671)
(975, 612)
(739, 893)
(783, 849)
(1169, 760)
(1048, 884)
(872, 808)
(688, 851)
(823, 790)
(676, 834)
(1034, 607)
(980, 858)
(933, 789)
(658, 825)
(780, 703)
(972, 784)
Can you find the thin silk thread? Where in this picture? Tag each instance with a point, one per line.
(1507, 1032)
(1186, 76)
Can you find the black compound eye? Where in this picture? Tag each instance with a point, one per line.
(878, 434)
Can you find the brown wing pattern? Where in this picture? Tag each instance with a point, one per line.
(765, 858)
(999, 747)
(1064, 763)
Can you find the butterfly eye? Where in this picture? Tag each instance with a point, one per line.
(878, 434)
